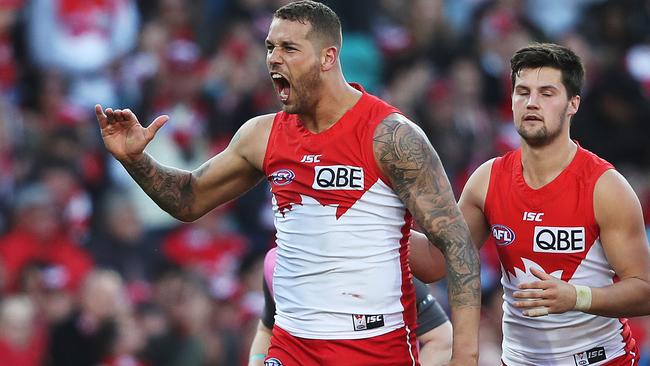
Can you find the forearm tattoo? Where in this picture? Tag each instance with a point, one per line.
(170, 188)
(418, 178)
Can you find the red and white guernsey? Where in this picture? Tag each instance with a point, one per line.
(342, 232)
(552, 228)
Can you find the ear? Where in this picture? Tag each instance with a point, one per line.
(328, 58)
(574, 104)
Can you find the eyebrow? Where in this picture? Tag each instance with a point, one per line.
(543, 87)
(283, 44)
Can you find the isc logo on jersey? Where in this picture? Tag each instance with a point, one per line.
(589, 357)
(311, 158)
(365, 322)
(338, 177)
(553, 239)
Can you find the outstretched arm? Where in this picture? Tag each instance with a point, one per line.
(624, 241)
(186, 195)
(406, 157)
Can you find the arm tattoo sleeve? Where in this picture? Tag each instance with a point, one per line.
(170, 188)
(407, 158)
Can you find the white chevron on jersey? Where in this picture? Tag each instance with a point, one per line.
(330, 268)
(547, 340)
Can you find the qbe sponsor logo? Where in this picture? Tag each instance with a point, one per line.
(503, 235)
(554, 239)
(589, 357)
(338, 177)
(364, 322)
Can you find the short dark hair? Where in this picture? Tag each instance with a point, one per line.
(324, 21)
(552, 55)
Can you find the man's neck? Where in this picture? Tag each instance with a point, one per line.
(335, 100)
(543, 164)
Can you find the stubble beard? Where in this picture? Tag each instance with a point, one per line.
(543, 136)
(304, 90)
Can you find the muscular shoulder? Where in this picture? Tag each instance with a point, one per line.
(476, 188)
(255, 128)
(252, 137)
(393, 123)
(400, 144)
(614, 199)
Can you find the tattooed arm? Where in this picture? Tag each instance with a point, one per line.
(427, 262)
(406, 157)
(186, 195)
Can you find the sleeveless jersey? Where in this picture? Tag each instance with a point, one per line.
(430, 314)
(553, 229)
(342, 232)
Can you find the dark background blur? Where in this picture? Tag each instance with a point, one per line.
(92, 271)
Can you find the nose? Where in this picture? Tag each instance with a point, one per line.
(533, 101)
(273, 56)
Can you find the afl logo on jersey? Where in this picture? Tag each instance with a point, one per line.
(273, 362)
(282, 177)
(503, 235)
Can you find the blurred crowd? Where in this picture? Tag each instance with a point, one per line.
(94, 273)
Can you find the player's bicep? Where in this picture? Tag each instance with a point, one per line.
(224, 173)
(472, 202)
(408, 160)
(230, 173)
(622, 231)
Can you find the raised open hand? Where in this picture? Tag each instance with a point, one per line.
(123, 135)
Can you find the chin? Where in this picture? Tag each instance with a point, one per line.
(536, 142)
(291, 108)
(288, 109)
(540, 140)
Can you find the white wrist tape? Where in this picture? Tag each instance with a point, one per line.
(583, 298)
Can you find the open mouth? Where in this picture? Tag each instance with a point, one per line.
(282, 86)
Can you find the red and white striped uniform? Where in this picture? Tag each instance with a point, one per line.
(342, 232)
(554, 229)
